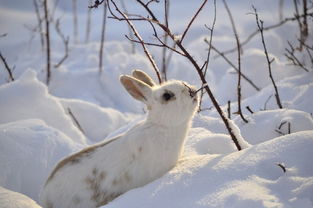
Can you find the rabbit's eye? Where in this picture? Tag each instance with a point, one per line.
(167, 96)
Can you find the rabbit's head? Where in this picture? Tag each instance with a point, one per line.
(171, 103)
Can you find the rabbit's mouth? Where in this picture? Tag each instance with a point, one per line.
(192, 92)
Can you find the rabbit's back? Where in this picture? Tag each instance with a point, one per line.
(98, 174)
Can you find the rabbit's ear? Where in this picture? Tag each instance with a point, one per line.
(136, 88)
(142, 76)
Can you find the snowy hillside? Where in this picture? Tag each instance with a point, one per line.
(40, 124)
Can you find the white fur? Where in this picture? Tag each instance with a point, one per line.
(141, 155)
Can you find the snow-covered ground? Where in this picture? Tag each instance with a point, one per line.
(38, 123)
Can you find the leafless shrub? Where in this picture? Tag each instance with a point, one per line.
(268, 28)
(153, 21)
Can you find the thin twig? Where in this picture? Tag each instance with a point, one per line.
(157, 71)
(104, 19)
(75, 23)
(234, 67)
(131, 35)
(209, 52)
(192, 20)
(290, 54)
(269, 62)
(47, 34)
(266, 102)
(9, 70)
(75, 120)
(164, 61)
(239, 61)
(251, 36)
(88, 24)
(65, 42)
(39, 20)
(228, 109)
(282, 167)
(249, 109)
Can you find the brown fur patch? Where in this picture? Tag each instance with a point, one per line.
(140, 149)
(93, 182)
(76, 157)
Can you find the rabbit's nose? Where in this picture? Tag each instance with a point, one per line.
(192, 92)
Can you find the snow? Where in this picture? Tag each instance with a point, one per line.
(249, 178)
(40, 125)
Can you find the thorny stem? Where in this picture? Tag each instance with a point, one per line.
(269, 62)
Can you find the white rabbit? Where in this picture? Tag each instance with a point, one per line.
(98, 174)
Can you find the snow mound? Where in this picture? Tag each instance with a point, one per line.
(11, 199)
(28, 98)
(274, 123)
(29, 149)
(249, 178)
(96, 122)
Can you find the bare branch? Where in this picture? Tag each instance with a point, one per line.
(282, 167)
(201, 76)
(75, 120)
(138, 37)
(234, 67)
(39, 20)
(65, 41)
(164, 61)
(104, 18)
(75, 29)
(88, 24)
(269, 62)
(9, 70)
(290, 54)
(131, 35)
(239, 61)
(192, 20)
(251, 36)
(209, 52)
(47, 34)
